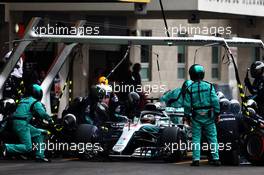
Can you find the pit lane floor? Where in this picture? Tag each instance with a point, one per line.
(120, 167)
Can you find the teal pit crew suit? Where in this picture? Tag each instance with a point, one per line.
(24, 130)
(175, 98)
(202, 106)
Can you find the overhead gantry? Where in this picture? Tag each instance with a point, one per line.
(73, 40)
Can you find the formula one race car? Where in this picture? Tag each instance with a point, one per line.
(151, 135)
(154, 135)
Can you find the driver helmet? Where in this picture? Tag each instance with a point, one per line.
(149, 118)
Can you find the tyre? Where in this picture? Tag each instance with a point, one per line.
(172, 138)
(254, 148)
(87, 135)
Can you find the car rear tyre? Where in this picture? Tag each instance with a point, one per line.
(87, 134)
(173, 139)
(254, 146)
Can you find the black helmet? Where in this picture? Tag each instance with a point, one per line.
(252, 104)
(97, 93)
(225, 105)
(251, 111)
(196, 72)
(69, 122)
(235, 107)
(257, 69)
(133, 98)
(220, 95)
(36, 91)
(102, 112)
(78, 100)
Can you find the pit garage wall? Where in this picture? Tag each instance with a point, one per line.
(81, 72)
(168, 54)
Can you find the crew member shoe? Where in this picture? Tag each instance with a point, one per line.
(215, 162)
(43, 160)
(2, 150)
(195, 163)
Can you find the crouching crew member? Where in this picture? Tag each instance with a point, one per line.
(28, 107)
